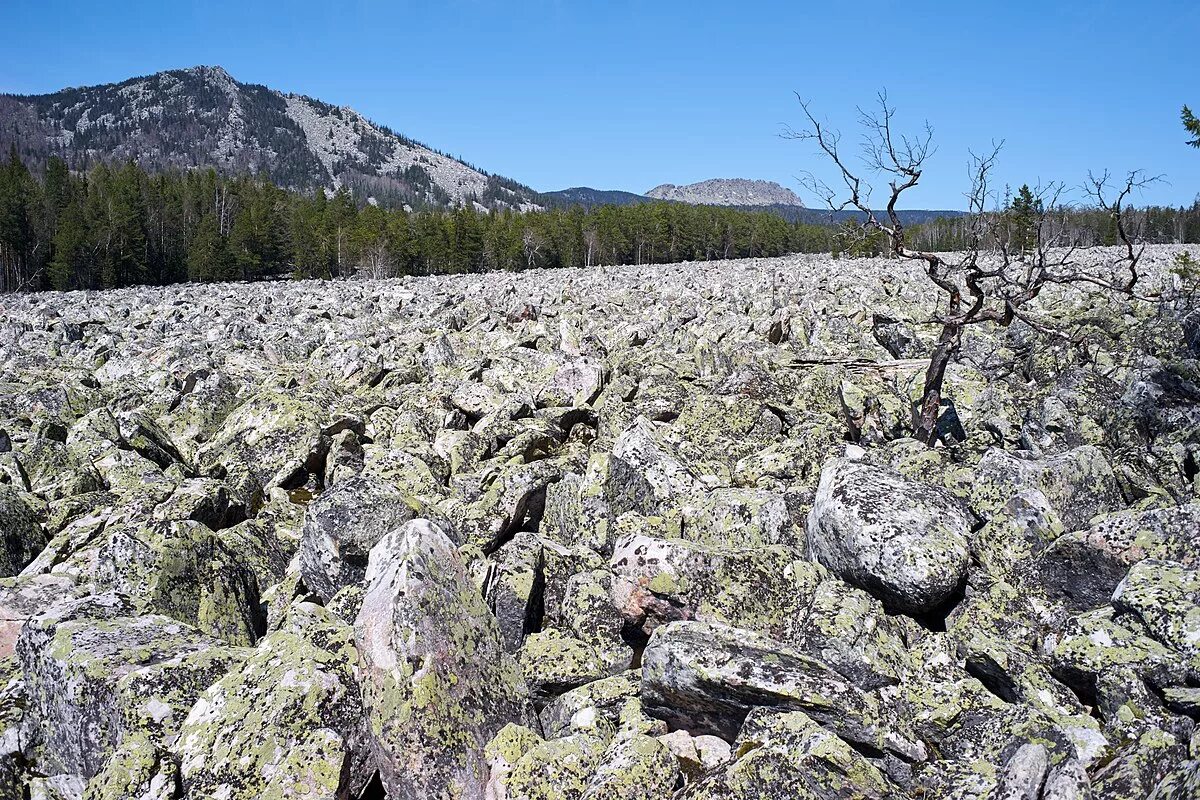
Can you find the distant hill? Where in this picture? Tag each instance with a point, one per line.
(590, 198)
(727, 192)
(202, 117)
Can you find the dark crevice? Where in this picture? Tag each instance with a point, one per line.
(866, 750)
(1190, 468)
(373, 790)
(535, 611)
(993, 677)
(935, 618)
(527, 516)
(1083, 686)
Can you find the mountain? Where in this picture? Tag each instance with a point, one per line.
(202, 117)
(727, 192)
(590, 198)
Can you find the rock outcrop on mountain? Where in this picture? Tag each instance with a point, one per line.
(727, 192)
(202, 117)
(654, 532)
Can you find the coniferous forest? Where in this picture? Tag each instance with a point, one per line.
(118, 225)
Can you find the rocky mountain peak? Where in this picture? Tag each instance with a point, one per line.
(727, 192)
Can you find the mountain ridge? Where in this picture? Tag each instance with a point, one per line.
(202, 117)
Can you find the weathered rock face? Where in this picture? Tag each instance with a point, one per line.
(340, 528)
(437, 683)
(706, 678)
(903, 541)
(653, 532)
(93, 674)
(288, 722)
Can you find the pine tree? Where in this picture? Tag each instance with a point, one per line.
(1191, 125)
(208, 259)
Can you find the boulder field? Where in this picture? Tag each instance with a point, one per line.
(635, 533)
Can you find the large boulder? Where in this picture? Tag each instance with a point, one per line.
(341, 526)
(437, 683)
(1079, 483)
(706, 678)
(1166, 595)
(186, 571)
(289, 722)
(903, 541)
(1084, 567)
(788, 755)
(94, 673)
(769, 590)
(272, 439)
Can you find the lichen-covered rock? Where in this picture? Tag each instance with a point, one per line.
(513, 585)
(553, 662)
(184, 570)
(644, 475)
(1166, 595)
(341, 526)
(138, 770)
(770, 590)
(53, 471)
(57, 787)
(904, 542)
(578, 709)
(21, 537)
(559, 769)
(203, 500)
(635, 767)
(287, 723)
(1086, 566)
(706, 677)
(79, 662)
(502, 754)
(272, 439)
(437, 684)
(739, 518)
(590, 614)
(1079, 483)
(788, 755)
(696, 755)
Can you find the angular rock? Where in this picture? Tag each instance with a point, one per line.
(706, 678)
(1166, 595)
(341, 526)
(186, 571)
(1079, 483)
(789, 755)
(79, 663)
(437, 684)
(289, 721)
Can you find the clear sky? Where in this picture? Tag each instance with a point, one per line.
(627, 95)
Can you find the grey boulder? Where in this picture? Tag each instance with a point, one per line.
(904, 542)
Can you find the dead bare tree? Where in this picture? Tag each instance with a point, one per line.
(989, 281)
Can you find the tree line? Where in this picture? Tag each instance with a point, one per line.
(119, 225)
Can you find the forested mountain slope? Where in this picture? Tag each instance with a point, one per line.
(202, 117)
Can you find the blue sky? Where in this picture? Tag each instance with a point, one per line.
(627, 95)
